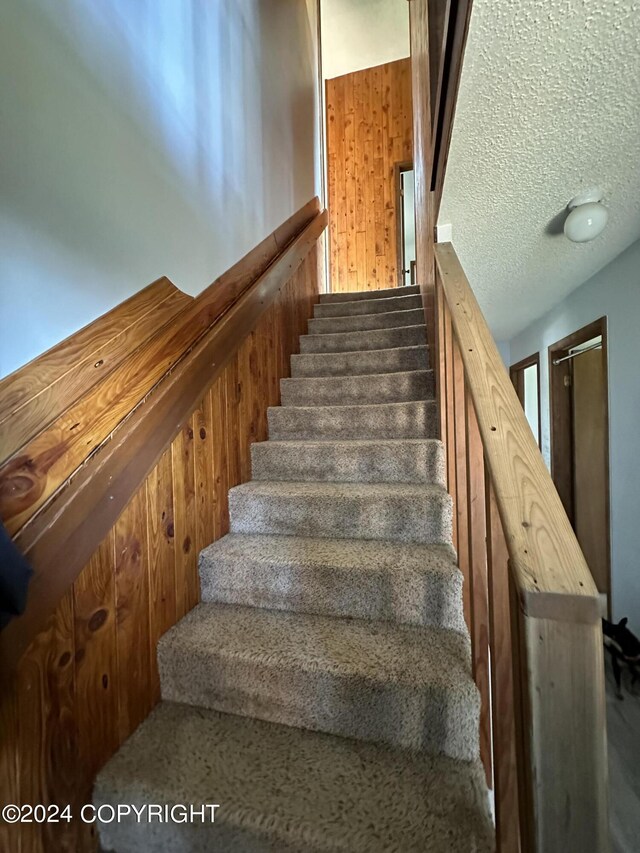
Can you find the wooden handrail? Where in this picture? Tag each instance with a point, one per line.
(61, 537)
(545, 639)
(545, 555)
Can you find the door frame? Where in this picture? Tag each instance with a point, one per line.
(560, 440)
(399, 167)
(515, 372)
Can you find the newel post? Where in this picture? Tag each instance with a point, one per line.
(566, 783)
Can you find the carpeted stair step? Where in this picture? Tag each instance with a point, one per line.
(399, 512)
(395, 360)
(352, 296)
(365, 322)
(403, 336)
(412, 460)
(377, 681)
(367, 306)
(356, 390)
(354, 578)
(387, 420)
(287, 790)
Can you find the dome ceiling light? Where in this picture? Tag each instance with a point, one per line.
(587, 216)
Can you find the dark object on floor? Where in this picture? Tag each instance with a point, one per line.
(624, 648)
(15, 573)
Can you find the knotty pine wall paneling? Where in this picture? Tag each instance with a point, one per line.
(369, 130)
(90, 678)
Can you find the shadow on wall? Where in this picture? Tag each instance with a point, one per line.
(293, 122)
(140, 140)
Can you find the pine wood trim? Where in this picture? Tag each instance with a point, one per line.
(545, 556)
(547, 676)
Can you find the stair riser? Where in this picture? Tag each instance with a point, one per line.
(406, 597)
(413, 718)
(417, 519)
(366, 306)
(366, 322)
(410, 290)
(409, 336)
(348, 462)
(357, 390)
(409, 420)
(360, 363)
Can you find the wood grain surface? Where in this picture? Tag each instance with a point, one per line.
(505, 769)
(369, 121)
(89, 676)
(478, 591)
(60, 539)
(545, 557)
(546, 674)
(36, 394)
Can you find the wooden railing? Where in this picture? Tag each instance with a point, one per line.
(530, 601)
(115, 548)
(83, 425)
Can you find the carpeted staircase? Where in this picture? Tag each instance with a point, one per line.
(321, 693)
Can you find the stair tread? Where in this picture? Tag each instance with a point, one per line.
(366, 332)
(367, 306)
(334, 356)
(358, 388)
(349, 443)
(290, 790)
(338, 490)
(365, 322)
(382, 653)
(369, 339)
(362, 378)
(365, 579)
(352, 296)
(414, 418)
(365, 406)
(342, 460)
(361, 555)
(359, 362)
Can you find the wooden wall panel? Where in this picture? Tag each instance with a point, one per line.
(90, 677)
(369, 130)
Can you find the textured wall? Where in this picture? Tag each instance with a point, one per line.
(549, 104)
(369, 129)
(141, 140)
(614, 292)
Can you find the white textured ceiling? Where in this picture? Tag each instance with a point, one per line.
(549, 104)
(358, 34)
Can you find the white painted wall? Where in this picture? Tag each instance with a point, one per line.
(614, 292)
(144, 139)
(409, 220)
(504, 350)
(359, 34)
(531, 402)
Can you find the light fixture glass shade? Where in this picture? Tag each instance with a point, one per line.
(585, 222)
